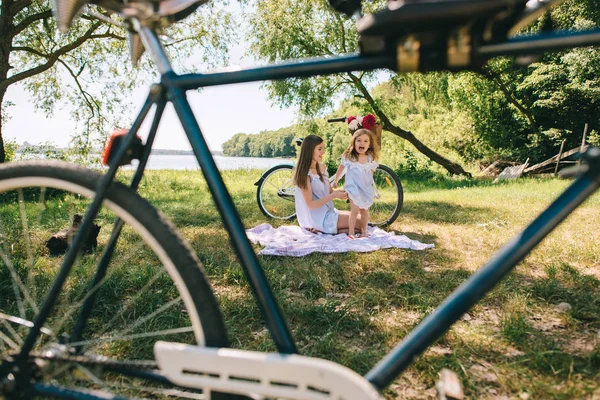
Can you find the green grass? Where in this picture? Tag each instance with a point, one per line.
(353, 308)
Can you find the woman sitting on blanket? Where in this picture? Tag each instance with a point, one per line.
(314, 196)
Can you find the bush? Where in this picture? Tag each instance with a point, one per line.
(10, 149)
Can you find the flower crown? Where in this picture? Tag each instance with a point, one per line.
(366, 122)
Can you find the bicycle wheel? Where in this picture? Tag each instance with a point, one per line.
(388, 198)
(275, 193)
(154, 288)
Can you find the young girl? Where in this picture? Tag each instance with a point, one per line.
(313, 195)
(360, 160)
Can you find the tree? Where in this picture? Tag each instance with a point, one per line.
(88, 67)
(289, 29)
(528, 111)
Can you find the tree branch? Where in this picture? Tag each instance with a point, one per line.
(29, 50)
(30, 20)
(109, 35)
(52, 58)
(85, 94)
(509, 96)
(450, 166)
(19, 5)
(342, 31)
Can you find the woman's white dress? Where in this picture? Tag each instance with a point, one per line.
(359, 182)
(324, 218)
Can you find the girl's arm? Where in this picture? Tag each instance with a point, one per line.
(338, 175)
(312, 204)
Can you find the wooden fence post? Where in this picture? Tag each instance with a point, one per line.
(582, 143)
(562, 145)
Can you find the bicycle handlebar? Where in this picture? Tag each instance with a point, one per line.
(340, 119)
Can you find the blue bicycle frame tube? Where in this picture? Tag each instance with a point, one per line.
(237, 233)
(295, 69)
(340, 64)
(102, 267)
(481, 282)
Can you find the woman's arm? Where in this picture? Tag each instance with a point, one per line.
(312, 204)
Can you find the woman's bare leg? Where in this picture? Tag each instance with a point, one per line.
(344, 221)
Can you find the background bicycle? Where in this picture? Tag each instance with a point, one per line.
(275, 192)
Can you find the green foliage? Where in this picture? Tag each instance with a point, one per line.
(278, 143)
(291, 29)
(46, 150)
(89, 66)
(506, 112)
(10, 147)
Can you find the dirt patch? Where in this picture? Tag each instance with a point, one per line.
(409, 386)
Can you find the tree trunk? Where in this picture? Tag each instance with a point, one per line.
(450, 166)
(2, 152)
(526, 111)
(6, 36)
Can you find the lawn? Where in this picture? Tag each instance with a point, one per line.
(352, 308)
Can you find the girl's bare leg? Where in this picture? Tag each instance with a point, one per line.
(344, 221)
(364, 222)
(354, 210)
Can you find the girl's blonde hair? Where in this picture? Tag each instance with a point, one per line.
(305, 159)
(351, 154)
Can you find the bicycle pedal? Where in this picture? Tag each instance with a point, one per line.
(267, 375)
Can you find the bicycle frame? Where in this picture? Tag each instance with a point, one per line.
(172, 87)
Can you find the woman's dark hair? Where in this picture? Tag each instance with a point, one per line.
(305, 159)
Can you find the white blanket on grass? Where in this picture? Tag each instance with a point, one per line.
(297, 242)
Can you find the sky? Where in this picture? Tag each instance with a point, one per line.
(221, 111)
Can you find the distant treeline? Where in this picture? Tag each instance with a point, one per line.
(278, 143)
(181, 152)
(44, 148)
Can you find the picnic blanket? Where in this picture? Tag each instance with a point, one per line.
(297, 242)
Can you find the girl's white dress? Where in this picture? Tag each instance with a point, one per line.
(359, 182)
(324, 218)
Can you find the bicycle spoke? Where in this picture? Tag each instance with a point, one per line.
(24, 322)
(76, 306)
(18, 284)
(93, 377)
(30, 270)
(275, 194)
(12, 331)
(132, 301)
(176, 393)
(166, 332)
(8, 341)
(25, 227)
(153, 314)
(272, 184)
(58, 372)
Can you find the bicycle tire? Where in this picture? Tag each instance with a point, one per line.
(67, 186)
(386, 209)
(275, 193)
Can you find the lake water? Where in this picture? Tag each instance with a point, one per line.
(161, 161)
